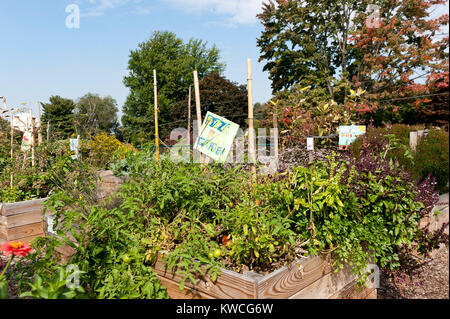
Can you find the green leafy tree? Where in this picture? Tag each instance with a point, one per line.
(343, 45)
(60, 113)
(95, 114)
(174, 62)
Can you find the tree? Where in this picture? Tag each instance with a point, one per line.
(60, 113)
(306, 42)
(332, 44)
(218, 95)
(95, 114)
(174, 62)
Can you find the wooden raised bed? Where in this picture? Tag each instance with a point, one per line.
(21, 221)
(310, 278)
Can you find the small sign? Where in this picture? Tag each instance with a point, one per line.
(348, 134)
(50, 224)
(73, 144)
(216, 137)
(310, 144)
(26, 141)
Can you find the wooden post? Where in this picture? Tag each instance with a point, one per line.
(189, 118)
(197, 106)
(48, 131)
(156, 115)
(310, 149)
(275, 131)
(413, 140)
(251, 132)
(40, 125)
(12, 140)
(77, 149)
(32, 137)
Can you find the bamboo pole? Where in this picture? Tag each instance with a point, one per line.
(32, 137)
(275, 132)
(198, 109)
(189, 117)
(156, 115)
(12, 141)
(48, 131)
(251, 132)
(40, 125)
(77, 149)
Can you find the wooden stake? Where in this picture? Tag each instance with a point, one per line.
(77, 149)
(413, 140)
(189, 118)
(48, 131)
(40, 125)
(12, 140)
(251, 132)
(156, 115)
(275, 131)
(32, 137)
(198, 109)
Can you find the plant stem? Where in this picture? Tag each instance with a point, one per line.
(7, 265)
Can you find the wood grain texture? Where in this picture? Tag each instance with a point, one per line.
(351, 291)
(29, 230)
(372, 295)
(3, 232)
(326, 286)
(174, 291)
(287, 281)
(9, 209)
(34, 216)
(229, 285)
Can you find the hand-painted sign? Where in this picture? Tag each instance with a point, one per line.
(216, 137)
(26, 141)
(348, 134)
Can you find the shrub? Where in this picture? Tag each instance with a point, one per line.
(432, 158)
(104, 148)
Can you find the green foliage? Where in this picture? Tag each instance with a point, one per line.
(95, 114)
(331, 46)
(60, 113)
(174, 62)
(53, 287)
(304, 111)
(260, 236)
(432, 157)
(197, 220)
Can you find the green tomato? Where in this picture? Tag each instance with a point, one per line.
(126, 259)
(210, 229)
(211, 255)
(217, 252)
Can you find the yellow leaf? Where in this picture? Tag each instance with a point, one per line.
(305, 88)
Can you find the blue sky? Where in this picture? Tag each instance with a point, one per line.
(41, 57)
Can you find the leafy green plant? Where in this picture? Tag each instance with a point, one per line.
(48, 287)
